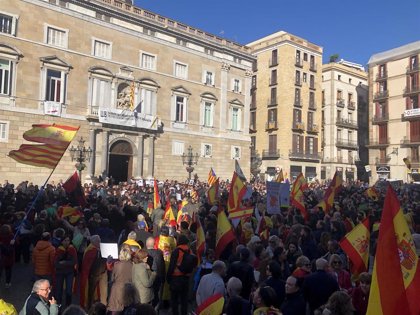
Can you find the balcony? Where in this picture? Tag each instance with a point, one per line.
(299, 63)
(273, 81)
(297, 103)
(340, 103)
(381, 143)
(351, 105)
(411, 142)
(312, 66)
(312, 105)
(270, 154)
(273, 62)
(298, 126)
(346, 123)
(380, 95)
(94, 110)
(298, 82)
(313, 128)
(312, 85)
(272, 102)
(346, 144)
(252, 128)
(271, 125)
(411, 114)
(410, 90)
(382, 161)
(413, 68)
(293, 155)
(380, 119)
(382, 76)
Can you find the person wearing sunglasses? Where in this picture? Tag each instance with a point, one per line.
(342, 275)
(39, 302)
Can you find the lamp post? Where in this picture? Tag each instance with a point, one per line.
(189, 160)
(80, 154)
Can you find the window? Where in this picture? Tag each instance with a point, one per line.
(297, 144)
(7, 23)
(339, 95)
(312, 100)
(5, 76)
(310, 145)
(338, 114)
(177, 147)
(339, 77)
(4, 131)
(148, 61)
(304, 79)
(101, 93)
(297, 78)
(273, 57)
(55, 86)
(235, 118)
(312, 81)
(253, 121)
(414, 62)
(148, 31)
(297, 96)
(298, 56)
(209, 51)
(310, 120)
(148, 101)
(208, 110)
(206, 150)
(236, 85)
(236, 152)
(272, 144)
(339, 137)
(56, 37)
(181, 42)
(101, 49)
(180, 109)
(273, 79)
(272, 115)
(305, 57)
(349, 80)
(273, 99)
(350, 135)
(181, 70)
(208, 78)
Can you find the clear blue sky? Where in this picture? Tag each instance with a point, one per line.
(353, 29)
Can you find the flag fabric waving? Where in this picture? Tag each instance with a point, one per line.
(213, 193)
(372, 193)
(42, 155)
(224, 233)
(156, 197)
(132, 96)
(212, 306)
(212, 177)
(73, 188)
(327, 202)
(236, 194)
(169, 214)
(356, 245)
(200, 242)
(395, 281)
(58, 135)
(238, 171)
(296, 195)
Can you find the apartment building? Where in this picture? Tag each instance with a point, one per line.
(343, 86)
(394, 110)
(90, 63)
(285, 116)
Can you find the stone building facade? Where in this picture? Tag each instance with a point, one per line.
(142, 88)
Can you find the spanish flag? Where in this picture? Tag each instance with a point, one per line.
(201, 241)
(296, 195)
(213, 192)
(169, 214)
(224, 233)
(156, 197)
(395, 280)
(356, 245)
(280, 177)
(212, 177)
(236, 194)
(73, 214)
(212, 306)
(58, 135)
(327, 202)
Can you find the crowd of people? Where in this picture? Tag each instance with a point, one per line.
(297, 268)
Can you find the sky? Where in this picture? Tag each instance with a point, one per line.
(354, 30)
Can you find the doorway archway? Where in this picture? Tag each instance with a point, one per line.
(121, 161)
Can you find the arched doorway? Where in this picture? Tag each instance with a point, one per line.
(120, 161)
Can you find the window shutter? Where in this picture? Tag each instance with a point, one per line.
(307, 144)
(202, 114)
(173, 108)
(239, 119)
(315, 145)
(294, 143)
(211, 115)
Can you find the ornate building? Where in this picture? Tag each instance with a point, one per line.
(141, 86)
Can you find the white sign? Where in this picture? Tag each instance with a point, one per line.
(367, 168)
(412, 112)
(109, 249)
(124, 117)
(52, 108)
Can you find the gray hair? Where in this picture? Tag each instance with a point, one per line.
(218, 265)
(38, 283)
(234, 286)
(132, 235)
(321, 264)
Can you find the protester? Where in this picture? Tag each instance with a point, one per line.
(43, 258)
(235, 303)
(39, 302)
(274, 281)
(264, 300)
(343, 276)
(212, 283)
(159, 267)
(7, 254)
(243, 271)
(294, 303)
(339, 303)
(143, 276)
(360, 294)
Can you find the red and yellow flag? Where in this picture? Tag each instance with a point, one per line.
(372, 193)
(73, 214)
(395, 280)
(224, 233)
(42, 155)
(156, 197)
(169, 215)
(213, 192)
(212, 306)
(201, 241)
(58, 135)
(212, 177)
(356, 245)
(327, 202)
(236, 194)
(296, 195)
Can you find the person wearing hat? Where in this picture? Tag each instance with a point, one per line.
(43, 258)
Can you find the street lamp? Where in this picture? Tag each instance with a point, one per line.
(80, 154)
(189, 160)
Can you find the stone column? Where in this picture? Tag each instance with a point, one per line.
(151, 156)
(224, 84)
(92, 144)
(105, 148)
(140, 153)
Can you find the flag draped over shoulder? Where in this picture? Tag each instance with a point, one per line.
(224, 233)
(356, 245)
(212, 177)
(212, 306)
(395, 281)
(296, 195)
(213, 192)
(156, 197)
(73, 188)
(201, 241)
(54, 141)
(236, 194)
(327, 202)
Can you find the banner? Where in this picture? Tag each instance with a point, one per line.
(273, 197)
(285, 194)
(123, 117)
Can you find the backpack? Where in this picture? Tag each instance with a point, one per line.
(188, 263)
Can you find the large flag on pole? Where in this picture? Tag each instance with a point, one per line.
(156, 197)
(59, 135)
(236, 194)
(212, 177)
(395, 281)
(238, 171)
(356, 245)
(296, 195)
(327, 202)
(224, 233)
(73, 188)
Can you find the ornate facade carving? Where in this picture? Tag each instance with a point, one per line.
(225, 66)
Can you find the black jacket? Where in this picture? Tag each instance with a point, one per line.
(294, 304)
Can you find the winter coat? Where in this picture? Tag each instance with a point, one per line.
(121, 274)
(143, 279)
(43, 258)
(7, 251)
(65, 260)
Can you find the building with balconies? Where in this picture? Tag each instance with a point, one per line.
(341, 103)
(91, 63)
(287, 91)
(394, 110)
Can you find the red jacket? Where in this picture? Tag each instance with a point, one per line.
(7, 251)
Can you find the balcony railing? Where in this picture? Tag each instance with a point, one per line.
(351, 105)
(312, 66)
(411, 90)
(348, 123)
(382, 161)
(381, 75)
(94, 110)
(379, 143)
(270, 154)
(273, 81)
(380, 95)
(340, 103)
(299, 126)
(381, 118)
(312, 85)
(312, 105)
(297, 103)
(413, 141)
(298, 82)
(299, 62)
(313, 128)
(270, 125)
(350, 144)
(413, 68)
(293, 155)
(272, 102)
(411, 114)
(273, 62)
